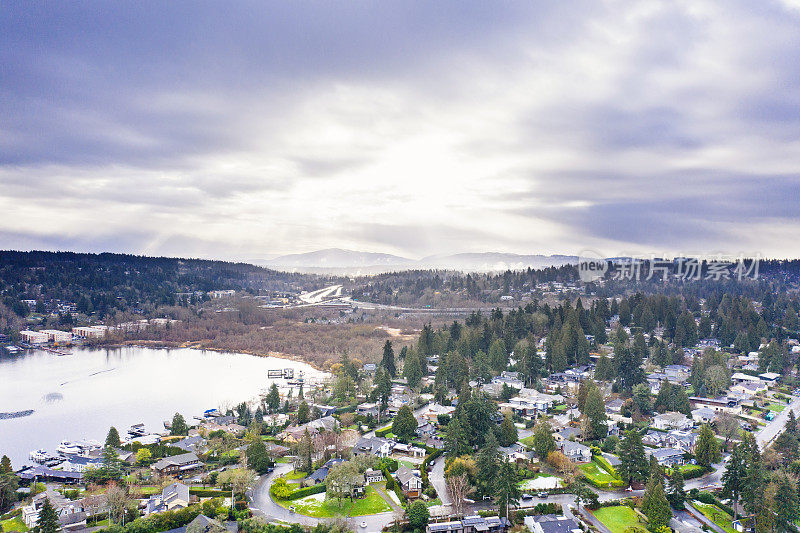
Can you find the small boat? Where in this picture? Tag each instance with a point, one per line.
(12, 349)
(39, 456)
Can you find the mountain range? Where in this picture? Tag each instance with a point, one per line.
(338, 261)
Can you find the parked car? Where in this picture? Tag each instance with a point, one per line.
(543, 495)
(527, 496)
(363, 523)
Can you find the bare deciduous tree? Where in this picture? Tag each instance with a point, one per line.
(459, 488)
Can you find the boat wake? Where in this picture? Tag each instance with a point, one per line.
(90, 375)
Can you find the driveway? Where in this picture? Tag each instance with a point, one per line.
(436, 477)
(770, 432)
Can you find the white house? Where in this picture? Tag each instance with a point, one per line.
(373, 476)
(671, 420)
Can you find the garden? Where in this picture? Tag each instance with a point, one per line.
(716, 515)
(318, 506)
(600, 474)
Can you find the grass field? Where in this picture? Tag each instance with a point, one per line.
(295, 475)
(716, 515)
(777, 407)
(617, 518)
(282, 460)
(15, 524)
(319, 507)
(527, 441)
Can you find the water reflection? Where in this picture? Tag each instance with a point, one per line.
(80, 396)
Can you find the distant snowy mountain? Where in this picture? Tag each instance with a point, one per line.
(338, 261)
(336, 258)
(494, 261)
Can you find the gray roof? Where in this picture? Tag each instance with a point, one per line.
(551, 523)
(176, 460)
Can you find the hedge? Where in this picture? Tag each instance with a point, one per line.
(383, 431)
(606, 465)
(694, 472)
(208, 493)
(707, 497)
(307, 491)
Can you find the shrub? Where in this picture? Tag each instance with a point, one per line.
(307, 491)
(383, 431)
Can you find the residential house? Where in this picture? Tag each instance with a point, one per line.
(749, 388)
(575, 451)
(190, 444)
(731, 403)
(666, 456)
(71, 515)
(177, 464)
(615, 405)
(433, 411)
(770, 377)
(320, 474)
(704, 415)
(425, 429)
(671, 420)
(654, 380)
(407, 449)
(471, 524)
(568, 433)
(410, 482)
(324, 410)
(175, 496)
(367, 409)
(377, 446)
(293, 434)
(551, 523)
(373, 476)
(77, 463)
(276, 450)
(740, 377)
(516, 453)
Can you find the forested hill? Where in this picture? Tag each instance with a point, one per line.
(105, 283)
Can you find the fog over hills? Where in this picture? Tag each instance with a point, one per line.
(338, 261)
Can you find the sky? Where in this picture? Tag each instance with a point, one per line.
(246, 130)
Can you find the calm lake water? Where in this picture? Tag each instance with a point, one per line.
(80, 396)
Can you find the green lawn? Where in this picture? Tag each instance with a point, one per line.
(598, 475)
(777, 407)
(15, 524)
(319, 507)
(690, 468)
(295, 475)
(716, 515)
(527, 441)
(617, 518)
(283, 460)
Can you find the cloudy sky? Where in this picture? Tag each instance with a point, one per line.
(243, 131)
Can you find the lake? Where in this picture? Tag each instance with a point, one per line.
(80, 396)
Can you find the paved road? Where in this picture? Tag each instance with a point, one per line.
(770, 432)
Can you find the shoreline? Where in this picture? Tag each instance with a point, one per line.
(196, 345)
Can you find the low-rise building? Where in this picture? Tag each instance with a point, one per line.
(175, 496)
(575, 451)
(471, 524)
(177, 464)
(410, 482)
(671, 420)
(551, 523)
(34, 337)
(666, 456)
